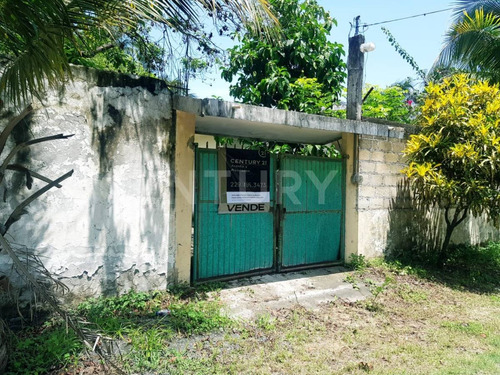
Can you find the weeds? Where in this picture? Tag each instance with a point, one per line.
(44, 350)
(412, 296)
(376, 290)
(351, 279)
(196, 318)
(265, 322)
(358, 262)
(420, 326)
(199, 291)
(131, 318)
(471, 328)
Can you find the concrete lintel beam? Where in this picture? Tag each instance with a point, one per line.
(246, 116)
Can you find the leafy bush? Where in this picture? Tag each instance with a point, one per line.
(389, 103)
(453, 161)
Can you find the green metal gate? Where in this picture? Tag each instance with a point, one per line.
(303, 228)
(228, 244)
(312, 211)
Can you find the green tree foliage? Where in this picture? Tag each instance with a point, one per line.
(390, 104)
(39, 38)
(394, 103)
(472, 43)
(130, 50)
(454, 163)
(299, 71)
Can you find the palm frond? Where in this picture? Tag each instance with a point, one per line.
(473, 44)
(34, 33)
(470, 6)
(32, 45)
(176, 14)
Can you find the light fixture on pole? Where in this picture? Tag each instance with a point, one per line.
(367, 47)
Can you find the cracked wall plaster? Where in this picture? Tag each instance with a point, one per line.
(110, 228)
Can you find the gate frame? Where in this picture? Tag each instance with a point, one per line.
(277, 211)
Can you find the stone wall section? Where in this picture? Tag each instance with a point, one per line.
(380, 165)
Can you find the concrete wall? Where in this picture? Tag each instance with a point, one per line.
(388, 219)
(123, 220)
(351, 199)
(380, 165)
(184, 193)
(110, 228)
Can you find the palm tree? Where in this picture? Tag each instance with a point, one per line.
(473, 42)
(35, 33)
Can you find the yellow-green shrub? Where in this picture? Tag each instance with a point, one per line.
(454, 162)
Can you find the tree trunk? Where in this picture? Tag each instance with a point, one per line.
(458, 216)
(3, 348)
(443, 254)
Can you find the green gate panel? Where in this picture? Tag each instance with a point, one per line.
(312, 198)
(228, 244)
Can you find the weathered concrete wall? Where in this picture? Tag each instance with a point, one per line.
(387, 216)
(109, 228)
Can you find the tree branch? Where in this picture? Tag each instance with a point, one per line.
(11, 125)
(26, 144)
(464, 215)
(20, 168)
(102, 48)
(446, 213)
(19, 210)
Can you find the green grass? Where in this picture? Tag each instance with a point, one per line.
(420, 320)
(475, 268)
(130, 318)
(190, 311)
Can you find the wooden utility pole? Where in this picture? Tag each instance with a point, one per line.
(355, 66)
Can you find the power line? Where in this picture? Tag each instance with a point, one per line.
(405, 18)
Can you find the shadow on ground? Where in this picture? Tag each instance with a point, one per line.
(414, 234)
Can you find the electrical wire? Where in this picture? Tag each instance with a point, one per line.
(405, 18)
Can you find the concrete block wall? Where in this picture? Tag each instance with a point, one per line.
(111, 226)
(387, 216)
(380, 165)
